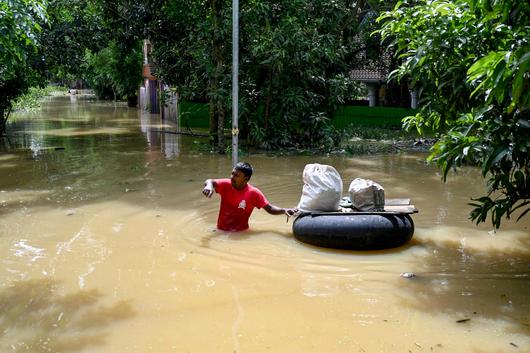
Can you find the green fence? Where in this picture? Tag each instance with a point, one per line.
(370, 116)
(196, 115)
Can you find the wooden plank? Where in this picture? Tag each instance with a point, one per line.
(401, 208)
(397, 202)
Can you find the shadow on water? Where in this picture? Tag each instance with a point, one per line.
(239, 236)
(472, 286)
(365, 252)
(42, 320)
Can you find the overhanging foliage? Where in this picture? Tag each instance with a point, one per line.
(470, 61)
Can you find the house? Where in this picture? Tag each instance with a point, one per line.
(374, 74)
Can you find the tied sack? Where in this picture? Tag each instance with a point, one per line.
(322, 189)
(367, 195)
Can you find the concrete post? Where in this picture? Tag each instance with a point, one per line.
(142, 98)
(372, 94)
(235, 81)
(413, 98)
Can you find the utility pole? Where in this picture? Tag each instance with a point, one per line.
(235, 80)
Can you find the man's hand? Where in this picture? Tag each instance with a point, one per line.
(208, 188)
(270, 208)
(290, 211)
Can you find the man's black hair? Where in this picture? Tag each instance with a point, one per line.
(245, 168)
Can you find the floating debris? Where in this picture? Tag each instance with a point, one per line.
(462, 321)
(70, 212)
(513, 344)
(407, 275)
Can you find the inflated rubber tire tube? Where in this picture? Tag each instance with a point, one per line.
(354, 231)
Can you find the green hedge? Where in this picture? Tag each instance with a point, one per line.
(196, 115)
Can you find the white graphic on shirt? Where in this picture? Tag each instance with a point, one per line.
(242, 204)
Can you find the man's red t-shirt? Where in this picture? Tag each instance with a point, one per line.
(237, 205)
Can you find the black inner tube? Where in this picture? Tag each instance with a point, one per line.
(355, 231)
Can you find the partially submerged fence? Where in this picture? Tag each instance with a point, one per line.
(196, 115)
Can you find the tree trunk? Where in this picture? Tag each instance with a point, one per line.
(4, 115)
(221, 144)
(268, 101)
(214, 117)
(215, 97)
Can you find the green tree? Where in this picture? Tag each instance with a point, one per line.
(124, 22)
(75, 26)
(21, 63)
(192, 52)
(98, 41)
(296, 62)
(470, 61)
(97, 69)
(295, 58)
(113, 73)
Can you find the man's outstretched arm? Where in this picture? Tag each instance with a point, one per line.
(270, 208)
(209, 187)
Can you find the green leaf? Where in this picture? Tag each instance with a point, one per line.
(523, 123)
(518, 87)
(499, 153)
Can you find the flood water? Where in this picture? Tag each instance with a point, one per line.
(108, 245)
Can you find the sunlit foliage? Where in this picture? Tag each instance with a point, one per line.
(470, 61)
(74, 27)
(20, 61)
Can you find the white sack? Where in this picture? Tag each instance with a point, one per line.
(367, 195)
(322, 189)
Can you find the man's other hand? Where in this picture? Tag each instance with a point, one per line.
(208, 189)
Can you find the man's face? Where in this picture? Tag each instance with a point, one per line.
(238, 179)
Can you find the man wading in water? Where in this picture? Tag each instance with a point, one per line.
(238, 199)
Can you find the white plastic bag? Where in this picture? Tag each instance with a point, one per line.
(367, 195)
(322, 189)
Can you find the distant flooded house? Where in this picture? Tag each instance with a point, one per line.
(374, 74)
(155, 96)
(149, 90)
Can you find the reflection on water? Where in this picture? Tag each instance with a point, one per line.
(107, 245)
(163, 135)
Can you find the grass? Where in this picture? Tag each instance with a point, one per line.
(34, 97)
(359, 140)
(354, 141)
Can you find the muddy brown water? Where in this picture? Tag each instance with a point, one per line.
(107, 245)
